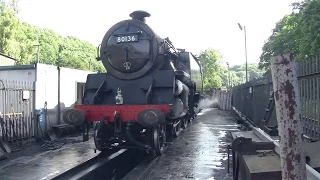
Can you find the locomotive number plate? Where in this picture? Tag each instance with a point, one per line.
(130, 38)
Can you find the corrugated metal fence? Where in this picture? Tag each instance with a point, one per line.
(309, 82)
(217, 98)
(16, 109)
(252, 98)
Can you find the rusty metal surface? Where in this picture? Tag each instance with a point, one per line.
(199, 153)
(16, 109)
(288, 110)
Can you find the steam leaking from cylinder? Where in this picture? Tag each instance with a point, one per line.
(210, 102)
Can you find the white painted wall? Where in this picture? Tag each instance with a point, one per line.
(68, 84)
(46, 87)
(47, 90)
(68, 87)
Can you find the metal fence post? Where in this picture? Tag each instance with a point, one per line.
(288, 109)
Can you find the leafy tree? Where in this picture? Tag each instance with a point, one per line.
(210, 61)
(298, 33)
(240, 72)
(309, 28)
(216, 75)
(279, 41)
(9, 25)
(12, 4)
(20, 40)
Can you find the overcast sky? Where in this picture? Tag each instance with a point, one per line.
(193, 25)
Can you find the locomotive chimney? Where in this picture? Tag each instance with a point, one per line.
(140, 15)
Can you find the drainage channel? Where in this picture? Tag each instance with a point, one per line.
(105, 166)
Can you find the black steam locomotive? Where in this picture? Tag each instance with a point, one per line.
(151, 89)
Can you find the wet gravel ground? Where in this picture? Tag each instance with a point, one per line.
(200, 152)
(34, 163)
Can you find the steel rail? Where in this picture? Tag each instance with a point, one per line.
(312, 174)
(139, 171)
(87, 168)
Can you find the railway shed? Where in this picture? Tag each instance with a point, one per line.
(29, 90)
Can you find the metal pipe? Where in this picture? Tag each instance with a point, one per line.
(229, 81)
(288, 111)
(245, 45)
(59, 94)
(38, 52)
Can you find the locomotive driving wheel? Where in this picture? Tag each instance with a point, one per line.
(99, 135)
(159, 138)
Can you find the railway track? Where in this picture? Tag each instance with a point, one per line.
(115, 165)
(111, 166)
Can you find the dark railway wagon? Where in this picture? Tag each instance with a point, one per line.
(151, 89)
